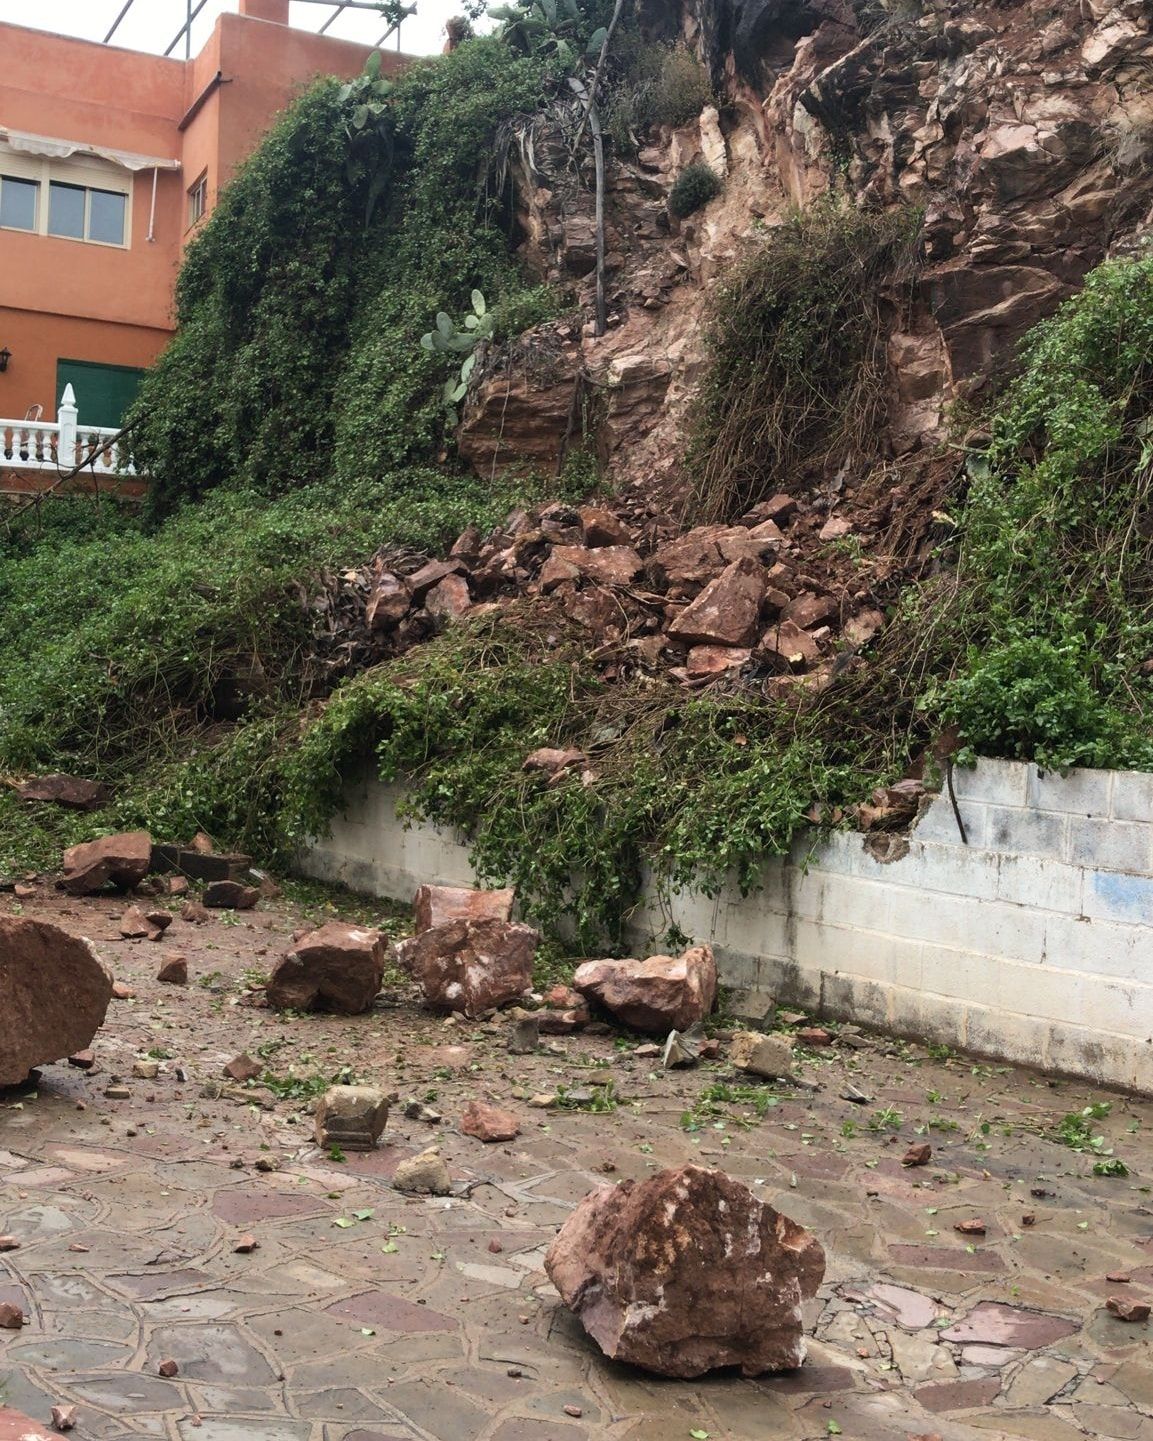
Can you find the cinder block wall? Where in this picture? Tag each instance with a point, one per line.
(1032, 943)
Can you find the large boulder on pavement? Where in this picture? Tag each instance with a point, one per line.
(122, 861)
(474, 966)
(686, 1272)
(54, 993)
(335, 968)
(435, 905)
(662, 994)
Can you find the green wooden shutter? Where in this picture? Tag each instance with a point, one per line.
(103, 392)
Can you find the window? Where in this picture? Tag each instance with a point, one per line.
(86, 200)
(78, 213)
(18, 206)
(198, 199)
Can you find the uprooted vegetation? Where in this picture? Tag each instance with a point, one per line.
(181, 659)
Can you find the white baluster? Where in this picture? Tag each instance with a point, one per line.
(66, 413)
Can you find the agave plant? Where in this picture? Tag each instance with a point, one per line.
(551, 28)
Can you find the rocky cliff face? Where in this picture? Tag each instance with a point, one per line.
(1022, 131)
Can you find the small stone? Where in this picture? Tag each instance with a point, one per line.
(245, 1244)
(121, 992)
(174, 972)
(814, 1036)
(648, 1050)
(544, 1101)
(768, 1056)
(83, 1060)
(9, 1243)
(418, 1111)
(426, 1174)
(117, 1093)
(168, 1368)
(230, 896)
(570, 1410)
(351, 1117)
(267, 1164)
(194, 913)
(146, 1070)
(918, 1155)
(1029, 1219)
(681, 1050)
(134, 924)
(973, 1227)
(1126, 1310)
(11, 1316)
(524, 1036)
(1118, 1278)
(64, 1417)
(488, 1123)
(243, 1068)
(495, 1247)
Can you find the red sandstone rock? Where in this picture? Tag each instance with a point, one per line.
(230, 896)
(918, 1155)
(472, 966)
(335, 968)
(710, 660)
(168, 1368)
(243, 1068)
(727, 611)
(61, 790)
(553, 760)
(686, 1272)
(607, 564)
(15, 1426)
(1126, 1310)
(430, 575)
(174, 971)
(435, 905)
(388, 602)
(657, 995)
(134, 924)
(54, 994)
(602, 527)
(794, 646)
(63, 1417)
(488, 1123)
(11, 1316)
(449, 599)
(122, 860)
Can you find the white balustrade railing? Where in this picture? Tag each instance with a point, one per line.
(60, 447)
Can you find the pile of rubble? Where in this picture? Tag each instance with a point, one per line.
(779, 598)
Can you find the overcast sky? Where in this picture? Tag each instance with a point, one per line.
(151, 24)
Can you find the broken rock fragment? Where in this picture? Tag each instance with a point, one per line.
(488, 1123)
(426, 1174)
(230, 896)
(121, 860)
(474, 966)
(174, 971)
(686, 1272)
(54, 994)
(72, 792)
(351, 1117)
(335, 968)
(727, 611)
(760, 1055)
(658, 995)
(434, 905)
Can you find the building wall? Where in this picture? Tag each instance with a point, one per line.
(110, 304)
(1032, 943)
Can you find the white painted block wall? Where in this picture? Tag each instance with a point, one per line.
(1032, 943)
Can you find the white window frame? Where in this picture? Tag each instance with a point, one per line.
(197, 190)
(90, 174)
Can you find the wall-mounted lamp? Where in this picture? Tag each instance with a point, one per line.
(5, 357)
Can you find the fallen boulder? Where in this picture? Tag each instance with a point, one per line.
(54, 993)
(760, 1055)
(474, 966)
(727, 611)
(687, 1272)
(351, 1117)
(435, 905)
(72, 792)
(335, 968)
(230, 896)
(660, 995)
(426, 1174)
(121, 860)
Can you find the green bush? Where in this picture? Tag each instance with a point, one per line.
(693, 188)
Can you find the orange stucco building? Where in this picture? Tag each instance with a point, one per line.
(109, 159)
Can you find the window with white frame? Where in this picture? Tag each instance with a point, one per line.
(198, 200)
(65, 199)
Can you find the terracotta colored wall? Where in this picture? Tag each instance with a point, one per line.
(66, 298)
(37, 341)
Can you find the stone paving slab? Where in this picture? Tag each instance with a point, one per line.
(365, 1315)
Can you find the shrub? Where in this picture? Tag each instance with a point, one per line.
(694, 187)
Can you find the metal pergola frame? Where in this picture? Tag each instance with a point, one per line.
(193, 10)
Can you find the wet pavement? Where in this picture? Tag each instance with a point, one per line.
(366, 1315)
